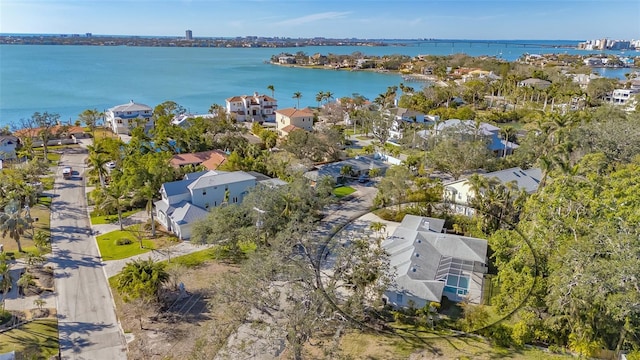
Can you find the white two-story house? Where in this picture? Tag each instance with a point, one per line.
(252, 108)
(186, 201)
(122, 118)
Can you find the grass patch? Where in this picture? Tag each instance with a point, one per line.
(47, 183)
(194, 259)
(359, 345)
(35, 340)
(364, 137)
(110, 250)
(101, 133)
(110, 219)
(45, 201)
(343, 191)
(42, 213)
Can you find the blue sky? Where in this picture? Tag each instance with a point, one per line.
(479, 19)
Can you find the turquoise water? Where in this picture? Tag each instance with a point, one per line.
(69, 79)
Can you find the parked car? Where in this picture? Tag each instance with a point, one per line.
(111, 165)
(67, 172)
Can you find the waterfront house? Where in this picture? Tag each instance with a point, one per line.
(459, 193)
(252, 108)
(429, 264)
(186, 201)
(211, 159)
(470, 129)
(122, 118)
(8, 145)
(300, 118)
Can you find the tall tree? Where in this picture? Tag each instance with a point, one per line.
(297, 95)
(90, 118)
(13, 223)
(46, 123)
(273, 90)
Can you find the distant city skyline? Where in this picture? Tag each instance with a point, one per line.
(364, 19)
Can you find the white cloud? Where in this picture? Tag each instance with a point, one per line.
(314, 17)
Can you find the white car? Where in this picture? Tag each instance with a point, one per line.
(110, 165)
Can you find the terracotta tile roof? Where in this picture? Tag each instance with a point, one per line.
(209, 159)
(54, 130)
(235, 98)
(289, 128)
(293, 112)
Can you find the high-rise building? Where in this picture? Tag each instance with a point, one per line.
(189, 35)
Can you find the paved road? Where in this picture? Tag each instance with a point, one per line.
(87, 323)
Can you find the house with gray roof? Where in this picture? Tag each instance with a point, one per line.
(459, 193)
(429, 264)
(360, 165)
(122, 118)
(187, 201)
(8, 145)
(470, 129)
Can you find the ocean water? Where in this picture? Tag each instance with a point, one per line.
(69, 79)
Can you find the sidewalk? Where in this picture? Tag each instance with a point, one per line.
(137, 218)
(113, 267)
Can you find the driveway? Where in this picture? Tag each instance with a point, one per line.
(87, 323)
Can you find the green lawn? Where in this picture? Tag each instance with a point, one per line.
(343, 191)
(35, 340)
(195, 259)
(47, 183)
(112, 251)
(110, 219)
(45, 201)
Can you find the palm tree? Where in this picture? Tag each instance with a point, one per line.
(319, 98)
(507, 133)
(273, 90)
(346, 171)
(297, 95)
(378, 227)
(98, 161)
(328, 95)
(110, 198)
(142, 279)
(12, 223)
(90, 118)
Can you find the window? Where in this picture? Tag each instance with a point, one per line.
(206, 206)
(204, 192)
(399, 298)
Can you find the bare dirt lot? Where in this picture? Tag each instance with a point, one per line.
(176, 329)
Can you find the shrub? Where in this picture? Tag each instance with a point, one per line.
(500, 335)
(124, 241)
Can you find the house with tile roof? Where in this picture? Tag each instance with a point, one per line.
(59, 134)
(459, 193)
(252, 108)
(211, 159)
(299, 118)
(430, 264)
(186, 201)
(122, 118)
